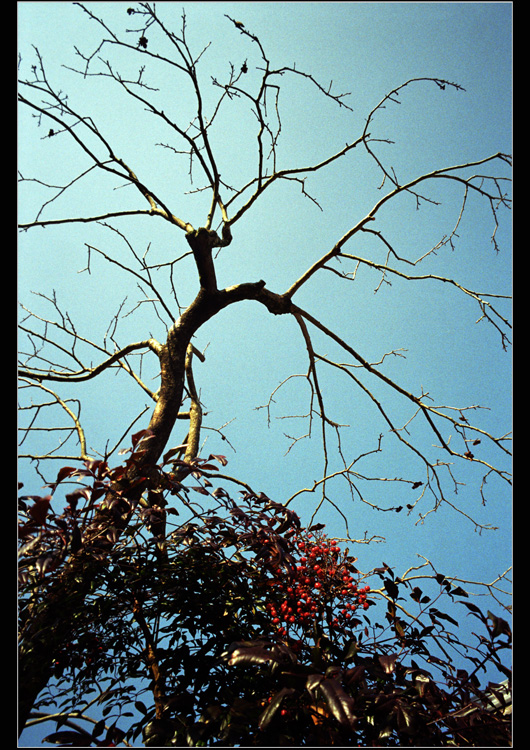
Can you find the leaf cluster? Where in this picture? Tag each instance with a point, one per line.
(186, 638)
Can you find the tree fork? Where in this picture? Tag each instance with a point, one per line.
(46, 635)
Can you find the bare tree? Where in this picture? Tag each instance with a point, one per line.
(55, 354)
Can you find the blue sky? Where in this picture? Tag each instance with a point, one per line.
(366, 49)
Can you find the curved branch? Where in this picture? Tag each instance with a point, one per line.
(87, 373)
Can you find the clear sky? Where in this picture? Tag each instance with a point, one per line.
(366, 49)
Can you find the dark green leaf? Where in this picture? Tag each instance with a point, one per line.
(98, 728)
(351, 649)
(388, 662)
(250, 655)
(436, 613)
(474, 610)
(499, 625)
(339, 702)
(275, 703)
(391, 588)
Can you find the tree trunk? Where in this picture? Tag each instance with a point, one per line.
(48, 629)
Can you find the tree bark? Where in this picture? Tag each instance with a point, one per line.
(44, 635)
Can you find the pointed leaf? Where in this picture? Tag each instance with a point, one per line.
(251, 655)
(45, 563)
(274, 705)
(222, 459)
(388, 662)
(312, 683)
(339, 702)
(76, 540)
(436, 613)
(99, 727)
(499, 625)
(66, 471)
(404, 716)
(474, 610)
(139, 436)
(39, 510)
(352, 649)
(173, 451)
(421, 682)
(391, 588)
(72, 498)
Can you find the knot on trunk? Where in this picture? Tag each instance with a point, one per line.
(202, 241)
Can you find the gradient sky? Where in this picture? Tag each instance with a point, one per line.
(366, 49)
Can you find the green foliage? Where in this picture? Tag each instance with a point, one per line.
(243, 628)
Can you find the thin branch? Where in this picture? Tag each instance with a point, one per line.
(87, 373)
(425, 409)
(75, 419)
(371, 215)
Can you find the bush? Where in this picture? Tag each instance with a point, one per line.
(242, 627)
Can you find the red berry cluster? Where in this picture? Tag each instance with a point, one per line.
(320, 584)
